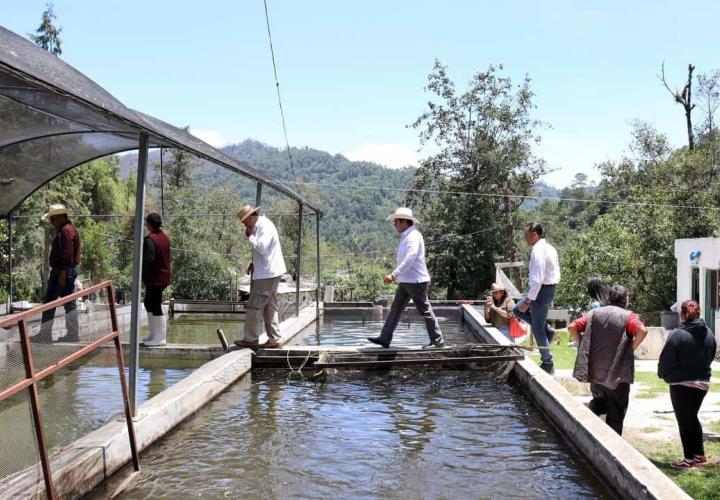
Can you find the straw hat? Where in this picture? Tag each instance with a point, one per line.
(497, 287)
(246, 211)
(403, 213)
(57, 209)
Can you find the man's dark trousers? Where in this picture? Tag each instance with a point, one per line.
(418, 292)
(537, 315)
(54, 291)
(613, 403)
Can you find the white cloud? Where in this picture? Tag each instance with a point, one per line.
(390, 155)
(212, 137)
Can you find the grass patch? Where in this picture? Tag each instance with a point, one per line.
(563, 354)
(650, 430)
(699, 483)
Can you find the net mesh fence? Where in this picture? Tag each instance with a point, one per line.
(74, 400)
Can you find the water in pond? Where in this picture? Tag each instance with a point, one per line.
(197, 328)
(353, 326)
(376, 434)
(76, 400)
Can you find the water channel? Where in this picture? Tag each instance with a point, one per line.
(374, 434)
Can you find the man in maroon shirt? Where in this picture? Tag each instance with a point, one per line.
(64, 259)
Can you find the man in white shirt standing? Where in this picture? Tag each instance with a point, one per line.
(267, 267)
(544, 277)
(413, 281)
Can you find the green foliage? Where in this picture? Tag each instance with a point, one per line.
(485, 137)
(363, 282)
(48, 35)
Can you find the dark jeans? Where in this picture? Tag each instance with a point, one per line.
(610, 402)
(537, 315)
(54, 291)
(418, 292)
(686, 402)
(153, 300)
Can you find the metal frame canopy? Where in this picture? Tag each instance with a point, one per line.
(55, 118)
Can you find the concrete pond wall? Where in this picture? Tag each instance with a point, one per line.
(624, 469)
(78, 468)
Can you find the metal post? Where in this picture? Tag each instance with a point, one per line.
(317, 244)
(258, 194)
(10, 265)
(137, 269)
(162, 187)
(297, 259)
(34, 397)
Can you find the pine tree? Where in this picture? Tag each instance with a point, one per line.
(48, 35)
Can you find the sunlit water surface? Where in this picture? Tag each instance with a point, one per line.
(374, 434)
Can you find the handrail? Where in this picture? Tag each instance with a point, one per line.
(17, 317)
(33, 377)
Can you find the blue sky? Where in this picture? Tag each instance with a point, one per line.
(352, 73)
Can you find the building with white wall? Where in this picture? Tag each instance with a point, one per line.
(698, 266)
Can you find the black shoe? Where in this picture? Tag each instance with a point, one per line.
(548, 367)
(41, 338)
(439, 344)
(68, 338)
(376, 340)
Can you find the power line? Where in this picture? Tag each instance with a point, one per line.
(277, 88)
(514, 196)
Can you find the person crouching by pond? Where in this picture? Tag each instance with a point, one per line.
(499, 308)
(685, 365)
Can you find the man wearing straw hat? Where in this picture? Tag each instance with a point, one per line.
(64, 259)
(413, 281)
(267, 267)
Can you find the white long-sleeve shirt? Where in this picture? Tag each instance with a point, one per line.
(267, 255)
(410, 258)
(544, 267)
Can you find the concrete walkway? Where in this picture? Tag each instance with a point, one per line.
(648, 419)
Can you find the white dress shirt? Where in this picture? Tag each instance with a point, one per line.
(410, 258)
(544, 267)
(267, 255)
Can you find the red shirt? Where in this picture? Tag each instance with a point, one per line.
(634, 324)
(65, 251)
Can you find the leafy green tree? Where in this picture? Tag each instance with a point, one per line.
(48, 35)
(484, 136)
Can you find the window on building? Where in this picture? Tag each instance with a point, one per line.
(695, 284)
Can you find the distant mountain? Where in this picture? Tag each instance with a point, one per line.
(354, 217)
(541, 189)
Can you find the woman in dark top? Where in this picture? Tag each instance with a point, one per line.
(685, 365)
(156, 277)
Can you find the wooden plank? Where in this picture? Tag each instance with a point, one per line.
(427, 361)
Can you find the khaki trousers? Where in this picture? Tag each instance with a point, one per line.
(262, 310)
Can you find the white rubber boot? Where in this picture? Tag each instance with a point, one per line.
(151, 329)
(158, 331)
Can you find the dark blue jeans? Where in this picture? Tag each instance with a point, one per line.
(537, 315)
(54, 291)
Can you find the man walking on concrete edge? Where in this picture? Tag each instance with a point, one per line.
(544, 276)
(413, 281)
(607, 337)
(64, 259)
(267, 267)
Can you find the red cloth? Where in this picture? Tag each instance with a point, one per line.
(634, 323)
(65, 251)
(158, 273)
